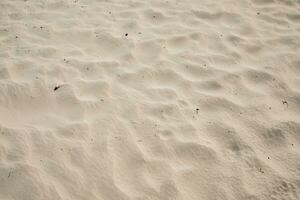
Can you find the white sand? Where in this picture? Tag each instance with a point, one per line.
(200, 101)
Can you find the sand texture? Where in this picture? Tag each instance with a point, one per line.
(149, 100)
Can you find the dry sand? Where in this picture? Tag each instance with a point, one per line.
(149, 100)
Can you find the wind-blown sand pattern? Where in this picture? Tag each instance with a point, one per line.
(149, 100)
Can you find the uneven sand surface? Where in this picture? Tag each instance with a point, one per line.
(149, 100)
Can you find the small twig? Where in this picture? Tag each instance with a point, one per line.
(9, 174)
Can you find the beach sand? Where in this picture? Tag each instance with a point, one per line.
(149, 100)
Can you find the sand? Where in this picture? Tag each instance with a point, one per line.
(149, 100)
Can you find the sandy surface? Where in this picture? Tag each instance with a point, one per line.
(149, 100)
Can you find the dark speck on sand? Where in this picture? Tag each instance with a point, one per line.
(56, 87)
